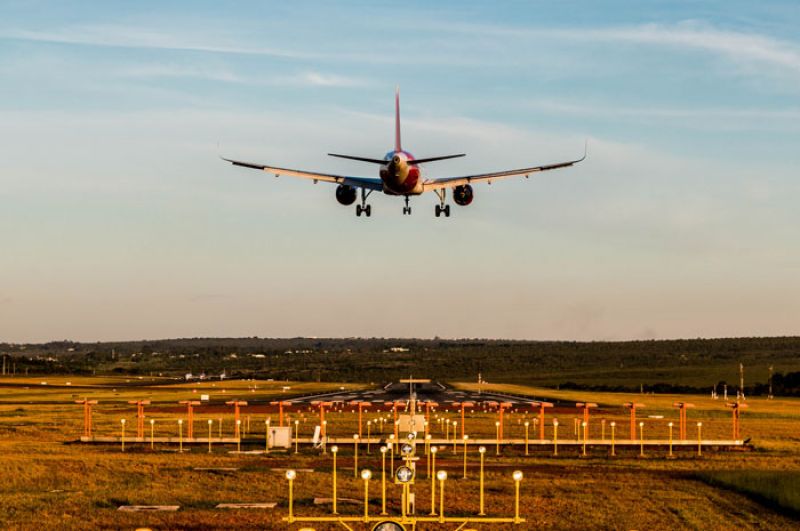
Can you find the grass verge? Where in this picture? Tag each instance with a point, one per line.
(779, 490)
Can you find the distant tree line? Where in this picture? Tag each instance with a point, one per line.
(689, 365)
(782, 385)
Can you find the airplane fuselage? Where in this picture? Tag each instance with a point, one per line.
(400, 175)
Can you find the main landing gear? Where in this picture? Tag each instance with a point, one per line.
(364, 207)
(442, 208)
(407, 208)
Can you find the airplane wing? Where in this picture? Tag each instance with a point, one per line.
(356, 182)
(452, 182)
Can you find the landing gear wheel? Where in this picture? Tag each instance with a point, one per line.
(364, 207)
(442, 208)
(407, 208)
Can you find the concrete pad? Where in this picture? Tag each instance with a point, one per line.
(148, 508)
(247, 452)
(268, 505)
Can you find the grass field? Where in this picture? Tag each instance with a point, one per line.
(776, 489)
(47, 482)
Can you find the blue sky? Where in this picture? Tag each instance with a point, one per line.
(118, 221)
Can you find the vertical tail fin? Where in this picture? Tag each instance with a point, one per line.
(397, 144)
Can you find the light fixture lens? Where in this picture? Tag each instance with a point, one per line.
(366, 474)
(441, 475)
(517, 475)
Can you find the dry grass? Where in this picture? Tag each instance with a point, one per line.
(49, 484)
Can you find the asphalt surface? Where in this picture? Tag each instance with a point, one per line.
(433, 392)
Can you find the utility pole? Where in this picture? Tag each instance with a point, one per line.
(741, 380)
(769, 396)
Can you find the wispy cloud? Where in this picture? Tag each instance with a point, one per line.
(696, 117)
(693, 35)
(328, 80)
(129, 37)
(307, 78)
(149, 71)
(732, 44)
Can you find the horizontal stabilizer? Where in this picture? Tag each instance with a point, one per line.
(362, 159)
(433, 159)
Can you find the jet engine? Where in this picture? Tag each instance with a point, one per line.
(346, 195)
(462, 195)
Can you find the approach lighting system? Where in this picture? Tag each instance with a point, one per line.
(404, 474)
(388, 526)
(407, 449)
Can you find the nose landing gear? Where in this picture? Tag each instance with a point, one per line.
(407, 208)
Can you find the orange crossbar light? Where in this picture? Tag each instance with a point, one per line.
(736, 407)
(633, 406)
(322, 423)
(428, 405)
(396, 404)
(139, 416)
(463, 406)
(500, 409)
(190, 413)
(361, 406)
(236, 405)
(585, 406)
(682, 406)
(87, 415)
(541, 406)
(281, 404)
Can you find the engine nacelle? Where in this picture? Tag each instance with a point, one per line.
(462, 195)
(346, 195)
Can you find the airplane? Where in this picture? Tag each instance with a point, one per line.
(400, 174)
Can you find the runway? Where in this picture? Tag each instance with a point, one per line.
(426, 392)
